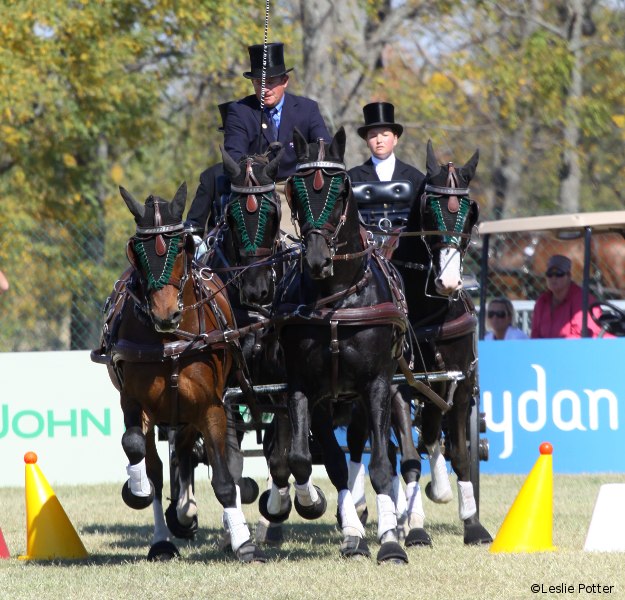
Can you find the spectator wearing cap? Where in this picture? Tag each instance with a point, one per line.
(558, 310)
(382, 134)
(206, 204)
(500, 316)
(251, 129)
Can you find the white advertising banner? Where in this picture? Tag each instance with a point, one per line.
(64, 408)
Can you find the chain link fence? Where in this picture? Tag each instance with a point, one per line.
(60, 276)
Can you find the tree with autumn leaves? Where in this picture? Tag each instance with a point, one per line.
(97, 94)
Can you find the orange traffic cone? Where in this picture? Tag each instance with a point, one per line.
(4, 549)
(529, 523)
(50, 534)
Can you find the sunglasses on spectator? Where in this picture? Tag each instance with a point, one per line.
(556, 273)
(497, 313)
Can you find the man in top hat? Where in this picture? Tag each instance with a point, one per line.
(250, 130)
(382, 133)
(213, 185)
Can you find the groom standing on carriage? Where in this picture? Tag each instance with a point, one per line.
(270, 115)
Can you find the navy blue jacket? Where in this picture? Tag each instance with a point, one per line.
(244, 135)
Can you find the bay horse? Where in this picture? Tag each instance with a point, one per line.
(341, 326)
(429, 257)
(165, 338)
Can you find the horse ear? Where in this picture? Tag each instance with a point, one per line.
(337, 147)
(271, 170)
(179, 201)
(300, 144)
(136, 208)
(231, 168)
(432, 164)
(471, 165)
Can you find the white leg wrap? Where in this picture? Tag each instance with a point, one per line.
(186, 508)
(349, 517)
(399, 497)
(416, 514)
(161, 533)
(441, 487)
(466, 500)
(277, 499)
(306, 493)
(387, 520)
(356, 482)
(234, 522)
(239, 505)
(139, 482)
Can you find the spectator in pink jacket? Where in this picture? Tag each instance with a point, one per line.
(558, 311)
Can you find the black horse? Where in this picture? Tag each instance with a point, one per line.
(429, 257)
(246, 250)
(341, 327)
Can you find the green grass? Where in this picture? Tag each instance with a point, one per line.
(307, 566)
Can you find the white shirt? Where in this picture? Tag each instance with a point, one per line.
(384, 168)
(512, 333)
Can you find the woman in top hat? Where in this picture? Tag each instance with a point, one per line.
(248, 131)
(382, 133)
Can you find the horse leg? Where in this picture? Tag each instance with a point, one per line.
(138, 491)
(474, 531)
(310, 501)
(249, 488)
(162, 548)
(226, 491)
(357, 434)
(181, 514)
(439, 488)
(354, 543)
(275, 503)
(401, 421)
(378, 393)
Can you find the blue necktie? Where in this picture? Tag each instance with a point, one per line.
(271, 124)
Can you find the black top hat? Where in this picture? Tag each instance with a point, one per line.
(379, 114)
(275, 61)
(223, 111)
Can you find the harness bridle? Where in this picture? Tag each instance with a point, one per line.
(338, 189)
(174, 234)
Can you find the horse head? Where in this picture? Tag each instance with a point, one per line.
(448, 215)
(161, 254)
(318, 195)
(252, 216)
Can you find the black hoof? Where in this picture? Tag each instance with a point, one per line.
(249, 553)
(418, 537)
(183, 532)
(475, 533)
(163, 551)
(353, 546)
(262, 507)
(316, 510)
(137, 502)
(269, 536)
(393, 553)
(249, 490)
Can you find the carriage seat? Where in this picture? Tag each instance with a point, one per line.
(379, 200)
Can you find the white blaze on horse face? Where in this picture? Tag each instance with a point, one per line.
(449, 269)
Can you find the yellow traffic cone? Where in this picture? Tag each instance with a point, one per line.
(50, 534)
(529, 523)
